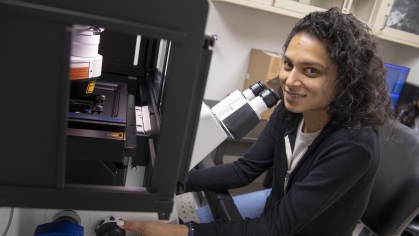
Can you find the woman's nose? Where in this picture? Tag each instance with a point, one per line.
(293, 79)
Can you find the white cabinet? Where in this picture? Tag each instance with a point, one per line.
(300, 8)
(264, 5)
(393, 20)
(398, 21)
(306, 6)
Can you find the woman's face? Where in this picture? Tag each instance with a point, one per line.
(307, 85)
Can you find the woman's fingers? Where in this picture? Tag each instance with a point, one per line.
(130, 225)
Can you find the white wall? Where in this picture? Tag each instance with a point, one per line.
(240, 29)
(409, 57)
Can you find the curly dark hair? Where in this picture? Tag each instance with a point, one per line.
(408, 112)
(361, 97)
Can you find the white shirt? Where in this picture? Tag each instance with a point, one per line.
(302, 142)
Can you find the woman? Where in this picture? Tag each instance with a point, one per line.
(409, 114)
(321, 140)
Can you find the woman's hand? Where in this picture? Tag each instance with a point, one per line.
(154, 228)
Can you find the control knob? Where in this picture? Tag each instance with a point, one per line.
(107, 227)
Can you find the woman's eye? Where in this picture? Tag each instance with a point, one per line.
(311, 70)
(287, 65)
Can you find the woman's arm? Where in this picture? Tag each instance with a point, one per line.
(329, 180)
(340, 166)
(154, 228)
(243, 171)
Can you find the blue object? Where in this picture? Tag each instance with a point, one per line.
(250, 205)
(396, 77)
(59, 229)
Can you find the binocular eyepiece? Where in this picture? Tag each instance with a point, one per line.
(270, 97)
(245, 114)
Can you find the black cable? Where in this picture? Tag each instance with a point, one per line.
(10, 221)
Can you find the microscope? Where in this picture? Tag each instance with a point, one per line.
(98, 108)
(103, 115)
(85, 68)
(233, 117)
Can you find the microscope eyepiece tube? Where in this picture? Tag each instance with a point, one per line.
(257, 87)
(270, 97)
(237, 99)
(258, 105)
(254, 90)
(266, 99)
(248, 94)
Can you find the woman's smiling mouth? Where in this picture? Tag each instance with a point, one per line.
(294, 95)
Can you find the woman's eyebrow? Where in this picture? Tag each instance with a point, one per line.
(307, 63)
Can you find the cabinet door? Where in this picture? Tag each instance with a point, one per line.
(307, 6)
(398, 21)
